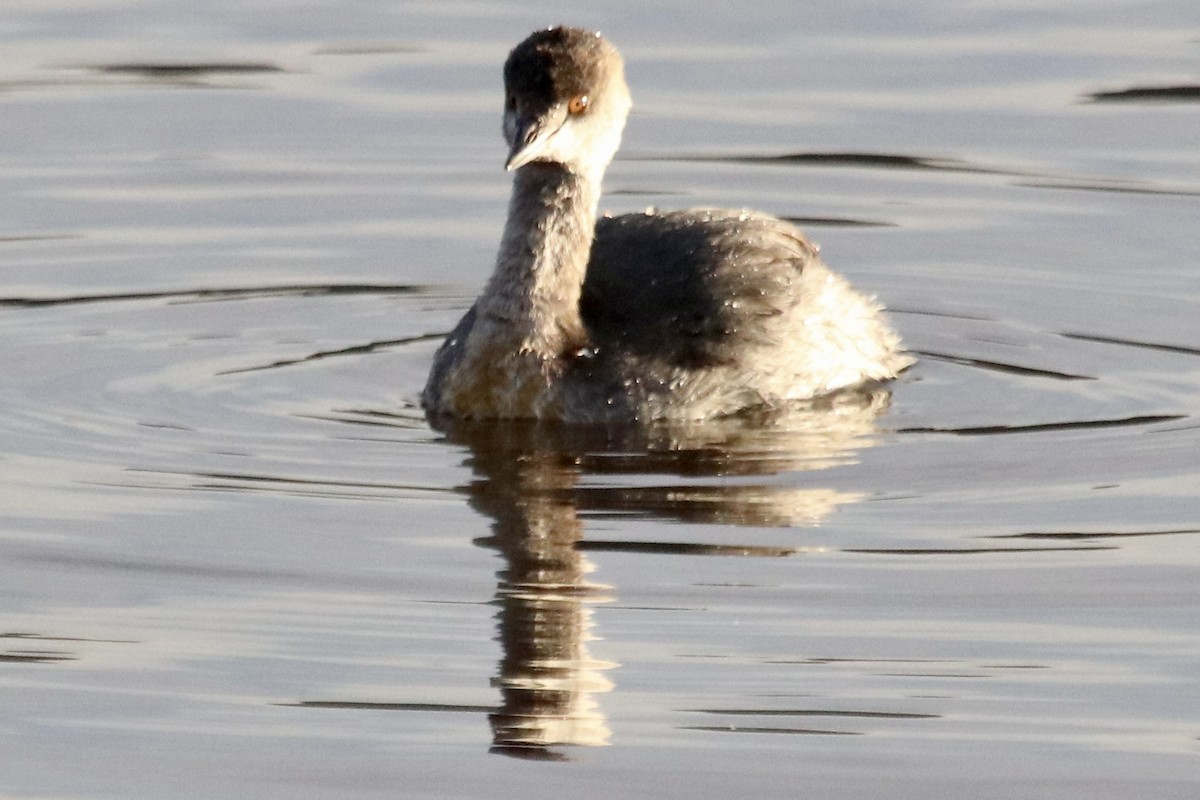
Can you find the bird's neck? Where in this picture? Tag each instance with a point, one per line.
(533, 295)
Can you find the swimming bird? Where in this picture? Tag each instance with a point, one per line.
(683, 315)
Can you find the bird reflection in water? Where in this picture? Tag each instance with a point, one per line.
(531, 480)
(547, 677)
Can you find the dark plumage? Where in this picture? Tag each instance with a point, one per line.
(557, 63)
(717, 273)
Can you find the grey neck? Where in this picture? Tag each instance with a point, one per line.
(534, 292)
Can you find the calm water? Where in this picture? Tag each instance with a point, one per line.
(236, 562)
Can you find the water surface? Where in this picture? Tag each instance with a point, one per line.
(236, 561)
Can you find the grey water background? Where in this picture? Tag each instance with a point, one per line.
(235, 561)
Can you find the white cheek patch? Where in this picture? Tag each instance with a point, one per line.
(563, 144)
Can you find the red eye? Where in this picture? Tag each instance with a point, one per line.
(578, 104)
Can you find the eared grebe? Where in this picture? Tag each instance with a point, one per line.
(683, 314)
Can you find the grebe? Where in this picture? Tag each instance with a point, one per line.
(683, 314)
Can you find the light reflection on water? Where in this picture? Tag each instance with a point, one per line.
(230, 542)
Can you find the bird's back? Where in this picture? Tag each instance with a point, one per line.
(725, 308)
(694, 288)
